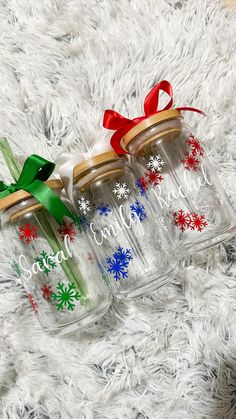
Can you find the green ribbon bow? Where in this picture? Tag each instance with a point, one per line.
(35, 172)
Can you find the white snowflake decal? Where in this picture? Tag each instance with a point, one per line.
(84, 205)
(162, 223)
(155, 163)
(121, 190)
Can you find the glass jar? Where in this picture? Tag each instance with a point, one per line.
(52, 263)
(176, 176)
(132, 244)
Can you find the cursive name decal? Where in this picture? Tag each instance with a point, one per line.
(183, 190)
(118, 225)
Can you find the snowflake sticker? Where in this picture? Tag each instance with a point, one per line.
(154, 178)
(155, 163)
(190, 162)
(28, 232)
(66, 296)
(46, 291)
(198, 222)
(195, 146)
(91, 258)
(150, 178)
(182, 219)
(16, 268)
(77, 220)
(67, 229)
(104, 210)
(81, 222)
(162, 223)
(189, 220)
(121, 190)
(142, 185)
(33, 303)
(138, 210)
(84, 205)
(119, 263)
(46, 262)
(123, 255)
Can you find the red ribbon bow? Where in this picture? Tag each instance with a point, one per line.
(114, 121)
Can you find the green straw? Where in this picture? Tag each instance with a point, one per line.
(10, 159)
(72, 273)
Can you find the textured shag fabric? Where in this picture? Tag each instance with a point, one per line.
(171, 355)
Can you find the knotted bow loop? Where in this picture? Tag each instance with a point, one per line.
(151, 101)
(35, 172)
(114, 121)
(35, 167)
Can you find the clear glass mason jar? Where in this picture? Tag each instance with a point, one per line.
(177, 178)
(131, 244)
(52, 263)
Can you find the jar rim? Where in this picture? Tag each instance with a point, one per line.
(93, 162)
(147, 123)
(16, 197)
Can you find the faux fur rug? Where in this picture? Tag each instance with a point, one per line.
(170, 355)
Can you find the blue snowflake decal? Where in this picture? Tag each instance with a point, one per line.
(140, 187)
(103, 210)
(123, 255)
(118, 265)
(84, 221)
(139, 210)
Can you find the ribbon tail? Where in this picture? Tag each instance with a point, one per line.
(49, 199)
(186, 108)
(115, 142)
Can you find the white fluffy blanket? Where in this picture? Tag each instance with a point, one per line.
(171, 355)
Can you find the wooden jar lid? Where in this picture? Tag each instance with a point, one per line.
(31, 208)
(147, 123)
(20, 195)
(93, 162)
(166, 135)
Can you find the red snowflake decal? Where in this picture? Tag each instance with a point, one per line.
(67, 229)
(198, 222)
(150, 178)
(190, 162)
(90, 257)
(143, 183)
(28, 232)
(196, 146)
(182, 219)
(189, 220)
(46, 291)
(33, 303)
(154, 178)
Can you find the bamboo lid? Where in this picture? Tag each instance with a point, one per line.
(20, 195)
(31, 208)
(93, 162)
(148, 123)
(166, 135)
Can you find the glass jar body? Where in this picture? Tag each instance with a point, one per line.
(129, 240)
(52, 261)
(187, 189)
